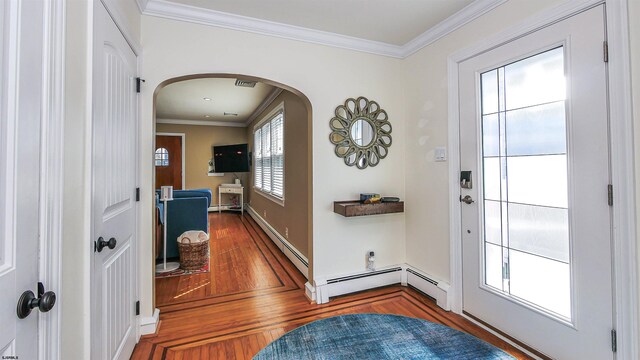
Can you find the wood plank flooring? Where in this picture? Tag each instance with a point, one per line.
(213, 316)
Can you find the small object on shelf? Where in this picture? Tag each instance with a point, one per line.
(365, 196)
(373, 200)
(356, 208)
(387, 199)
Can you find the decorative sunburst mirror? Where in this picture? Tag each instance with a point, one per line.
(361, 132)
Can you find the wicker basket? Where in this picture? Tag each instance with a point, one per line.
(193, 247)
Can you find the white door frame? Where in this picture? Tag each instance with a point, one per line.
(182, 135)
(51, 174)
(622, 159)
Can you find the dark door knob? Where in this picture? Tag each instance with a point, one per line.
(28, 301)
(101, 244)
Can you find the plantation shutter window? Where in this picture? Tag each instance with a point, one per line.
(269, 155)
(257, 175)
(277, 156)
(266, 158)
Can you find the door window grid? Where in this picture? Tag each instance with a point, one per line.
(162, 157)
(526, 237)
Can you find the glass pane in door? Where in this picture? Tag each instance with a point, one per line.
(525, 187)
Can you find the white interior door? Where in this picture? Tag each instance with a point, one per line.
(21, 71)
(113, 201)
(536, 241)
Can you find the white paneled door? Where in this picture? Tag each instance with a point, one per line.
(114, 136)
(21, 108)
(536, 223)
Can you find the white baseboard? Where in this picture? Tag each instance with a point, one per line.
(310, 292)
(149, 325)
(432, 287)
(214, 208)
(404, 274)
(299, 260)
(326, 288)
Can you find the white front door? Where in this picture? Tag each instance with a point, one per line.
(114, 136)
(537, 239)
(21, 72)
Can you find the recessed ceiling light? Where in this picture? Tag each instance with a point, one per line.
(206, 99)
(207, 116)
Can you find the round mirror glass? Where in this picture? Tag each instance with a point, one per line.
(362, 132)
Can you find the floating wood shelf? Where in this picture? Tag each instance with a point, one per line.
(356, 208)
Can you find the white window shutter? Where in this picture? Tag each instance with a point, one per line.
(257, 164)
(277, 155)
(266, 157)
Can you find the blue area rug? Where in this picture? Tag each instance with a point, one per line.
(377, 336)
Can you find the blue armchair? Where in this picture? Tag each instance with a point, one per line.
(187, 211)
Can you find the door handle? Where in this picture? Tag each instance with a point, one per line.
(467, 199)
(28, 301)
(101, 244)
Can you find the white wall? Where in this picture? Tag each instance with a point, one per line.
(74, 298)
(634, 21)
(427, 208)
(327, 76)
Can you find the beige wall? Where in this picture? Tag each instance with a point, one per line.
(198, 143)
(293, 215)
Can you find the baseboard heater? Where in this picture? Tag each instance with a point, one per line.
(357, 282)
(287, 249)
(435, 289)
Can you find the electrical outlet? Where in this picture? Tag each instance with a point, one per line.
(286, 232)
(371, 260)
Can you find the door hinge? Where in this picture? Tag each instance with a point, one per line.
(138, 307)
(610, 194)
(138, 194)
(138, 81)
(605, 51)
(614, 340)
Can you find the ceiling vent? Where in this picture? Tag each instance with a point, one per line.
(245, 83)
(230, 114)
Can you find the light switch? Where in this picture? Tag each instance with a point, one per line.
(440, 154)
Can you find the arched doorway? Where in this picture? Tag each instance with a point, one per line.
(280, 221)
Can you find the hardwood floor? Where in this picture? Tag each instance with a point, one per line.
(253, 295)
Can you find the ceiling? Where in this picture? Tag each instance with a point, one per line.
(185, 100)
(393, 22)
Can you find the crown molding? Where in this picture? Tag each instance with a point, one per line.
(174, 11)
(199, 122)
(142, 5)
(197, 15)
(449, 25)
(263, 105)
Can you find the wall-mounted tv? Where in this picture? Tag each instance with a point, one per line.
(231, 158)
